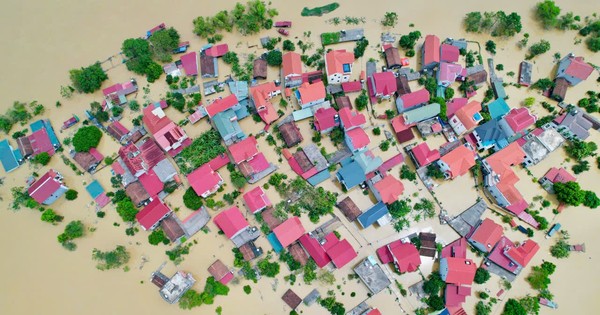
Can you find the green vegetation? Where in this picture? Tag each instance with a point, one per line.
(319, 11)
(274, 58)
(316, 201)
(176, 254)
(193, 298)
(334, 307)
(139, 58)
(434, 172)
(482, 308)
(247, 289)
(490, 46)
(158, 236)
(42, 158)
(288, 45)
(309, 271)
(267, 268)
(561, 248)
(286, 257)
(86, 137)
(361, 101)
(538, 48)
(513, 307)
(539, 278)
(337, 135)
(390, 19)
(88, 79)
(384, 146)
(248, 19)
(112, 259)
(237, 179)
(579, 150)
(203, 149)
(162, 44)
(330, 38)
(581, 167)
(433, 284)
(481, 276)
(407, 173)
(528, 102)
(51, 217)
(71, 194)
(495, 23)
(126, 210)
(547, 12)
(543, 84)
(377, 131)
(408, 42)
(361, 46)
(73, 230)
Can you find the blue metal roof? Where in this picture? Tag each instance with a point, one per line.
(351, 175)
(319, 177)
(498, 108)
(7, 157)
(373, 214)
(277, 247)
(94, 189)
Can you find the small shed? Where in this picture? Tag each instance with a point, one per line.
(298, 253)
(291, 299)
(349, 209)
(220, 272)
(392, 58)
(559, 91)
(259, 71)
(303, 161)
(343, 101)
(172, 229)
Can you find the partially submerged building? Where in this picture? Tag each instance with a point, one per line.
(48, 188)
(172, 289)
(372, 275)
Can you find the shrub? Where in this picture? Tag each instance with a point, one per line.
(481, 276)
(247, 289)
(112, 259)
(157, 237)
(42, 158)
(274, 58)
(191, 200)
(71, 194)
(86, 137)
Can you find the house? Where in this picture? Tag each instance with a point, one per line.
(457, 249)
(449, 53)
(555, 175)
(523, 254)
(316, 249)
(291, 69)
(169, 136)
(457, 162)
(151, 216)
(88, 160)
(227, 125)
(575, 123)
(477, 76)
(372, 275)
(137, 193)
(261, 96)
(326, 119)
(352, 87)
(245, 154)
(518, 258)
(377, 213)
(559, 89)
(341, 253)
(338, 66)
(189, 63)
(367, 161)
(421, 113)
(291, 134)
(486, 235)
(517, 120)
(409, 100)
(310, 94)
(430, 52)
(357, 139)
(116, 94)
(382, 85)
(402, 130)
(466, 118)
(231, 222)
(405, 256)
(343, 102)
(140, 159)
(117, 131)
(46, 189)
(349, 209)
(448, 73)
(454, 296)
(171, 290)
(256, 200)
(35, 143)
(291, 299)
(498, 88)
(350, 175)
(222, 104)
(423, 155)
(402, 86)
(208, 66)
(457, 271)
(498, 108)
(573, 69)
(217, 50)
(388, 189)
(490, 135)
(173, 229)
(392, 58)
(289, 231)
(9, 157)
(205, 181)
(525, 69)
(351, 119)
(259, 69)
(538, 144)
(220, 272)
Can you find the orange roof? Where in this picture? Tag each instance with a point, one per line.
(459, 160)
(524, 253)
(336, 59)
(389, 189)
(432, 49)
(291, 64)
(466, 114)
(351, 118)
(488, 233)
(261, 94)
(311, 92)
(501, 163)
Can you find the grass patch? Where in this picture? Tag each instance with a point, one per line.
(319, 11)
(330, 38)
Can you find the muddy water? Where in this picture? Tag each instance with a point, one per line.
(45, 39)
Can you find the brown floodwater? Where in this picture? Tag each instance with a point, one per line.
(42, 40)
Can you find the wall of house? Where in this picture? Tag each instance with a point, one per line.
(457, 125)
(444, 268)
(309, 104)
(498, 196)
(57, 194)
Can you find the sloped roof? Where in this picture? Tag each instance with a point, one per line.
(488, 233)
(172, 229)
(291, 134)
(457, 249)
(189, 62)
(351, 118)
(431, 47)
(85, 160)
(390, 189)
(45, 186)
(343, 101)
(336, 59)
(351, 174)
(392, 57)
(498, 108)
(579, 68)
(203, 179)
(406, 256)
(498, 255)
(415, 98)
(523, 254)
(221, 104)
(152, 213)
(448, 72)
(449, 53)
(291, 299)
(117, 130)
(231, 221)
(359, 138)
(424, 155)
(219, 271)
(561, 175)
(467, 114)
(461, 271)
(500, 162)
(402, 86)
(374, 213)
(217, 50)
(256, 199)
(349, 209)
(325, 118)
(459, 160)
(291, 64)
(289, 231)
(315, 250)
(455, 295)
(243, 150)
(311, 92)
(519, 119)
(303, 161)
(208, 65)
(136, 192)
(385, 83)
(341, 253)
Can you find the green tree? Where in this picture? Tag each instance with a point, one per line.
(191, 200)
(111, 259)
(204, 27)
(361, 101)
(288, 45)
(579, 150)
(435, 302)
(190, 299)
(531, 304)
(138, 53)
(71, 194)
(547, 12)
(543, 84)
(434, 284)
(434, 172)
(560, 249)
(590, 199)
(390, 19)
(538, 48)
(407, 173)
(163, 42)
(513, 307)
(472, 22)
(126, 209)
(481, 276)
(50, 216)
(5, 124)
(42, 158)
(157, 236)
(482, 308)
(86, 137)
(88, 79)
(267, 268)
(274, 58)
(490, 46)
(529, 101)
(238, 180)
(247, 289)
(593, 43)
(408, 41)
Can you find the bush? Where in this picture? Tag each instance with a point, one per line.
(538, 48)
(238, 180)
(86, 137)
(157, 237)
(361, 101)
(88, 79)
(481, 276)
(490, 46)
(390, 19)
(50, 216)
(71, 194)
(376, 131)
(547, 12)
(288, 45)
(247, 289)
(191, 200)
(274, 58)
(267, 268)
(42, 158)
(407, 173)
(126, 210)
(112, 259)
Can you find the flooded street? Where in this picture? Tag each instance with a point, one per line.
(42, 40)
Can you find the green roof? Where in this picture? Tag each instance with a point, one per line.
(422, 113)
(227, 124)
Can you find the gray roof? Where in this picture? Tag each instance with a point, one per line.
(316, 158)
(165, 171)
(490, 131)
(578, 125)
(422, 113)
(370, 272)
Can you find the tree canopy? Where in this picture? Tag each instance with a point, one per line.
(42, 158)
(569, 193)
(580, 149)
(481, 276)
(86, 137)
(163, 42)
(88, 79)
(274, 58)
(191, 199)
(111, 259)
(547, 12)
(496, 23)
(139, 57)
(513, 307)
(126, 210)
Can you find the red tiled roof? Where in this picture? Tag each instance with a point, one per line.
(220, 272)
(523, 254)
(457, 249)
(519, 119)
(579, 68)
(152, 213)
(351, 118)
(432, 49)
(501, 162)
(354, 86)
(424, 155)
(44, 187)
(461, 271)
(448, 72)
(498, 255)
(325, 118)
(455, 104)
(217, 50)
(144, 157)
(151, 183)
(415, 98)
(459, 160)
(385, 83)
(154, 118)
(406, 256)
(455, 295)
(374, 312)
(243, 150)
(204, 179)
(391, 162)
(311, 92)
(261, 94)
(449, 53)
(358, 137)
(389, 188)
(231, 221)
(315, 250)
(256, 199)
(289, 231)
(341, 253)
(256, 165)
(559, 175)
(218, 162)
(336, 59)
(466, 114)
(291, 64)
(189, 62)
(221, 104)
(40, 142)
(488, 233)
